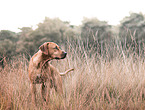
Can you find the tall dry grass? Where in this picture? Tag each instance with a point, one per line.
(97, 83)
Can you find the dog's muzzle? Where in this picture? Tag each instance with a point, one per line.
(63, 55)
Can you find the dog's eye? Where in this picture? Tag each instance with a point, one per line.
(56, 48)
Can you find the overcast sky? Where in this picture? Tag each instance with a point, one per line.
(15, 14)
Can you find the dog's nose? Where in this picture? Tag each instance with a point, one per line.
(65, 53)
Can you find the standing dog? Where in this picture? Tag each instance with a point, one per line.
(42, 72)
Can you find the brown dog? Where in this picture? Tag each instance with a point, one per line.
(42, 72)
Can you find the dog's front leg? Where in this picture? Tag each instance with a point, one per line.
(43, 91)
(33, 93)
(47, 92)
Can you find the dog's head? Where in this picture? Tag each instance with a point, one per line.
(52, 50)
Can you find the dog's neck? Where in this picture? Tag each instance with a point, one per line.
(45, 59)
(41, 59)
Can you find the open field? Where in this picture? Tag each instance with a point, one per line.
(98, 82)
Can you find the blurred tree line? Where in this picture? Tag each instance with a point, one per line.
(93, 33)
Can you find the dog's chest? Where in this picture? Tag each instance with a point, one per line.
(43, 73)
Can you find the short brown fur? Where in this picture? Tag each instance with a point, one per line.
(42, 72)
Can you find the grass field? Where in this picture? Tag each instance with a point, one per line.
(97, 83)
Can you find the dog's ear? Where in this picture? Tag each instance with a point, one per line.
(44, 48)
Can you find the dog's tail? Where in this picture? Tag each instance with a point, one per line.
(67, 71)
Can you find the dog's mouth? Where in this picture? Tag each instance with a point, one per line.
(57, 58)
